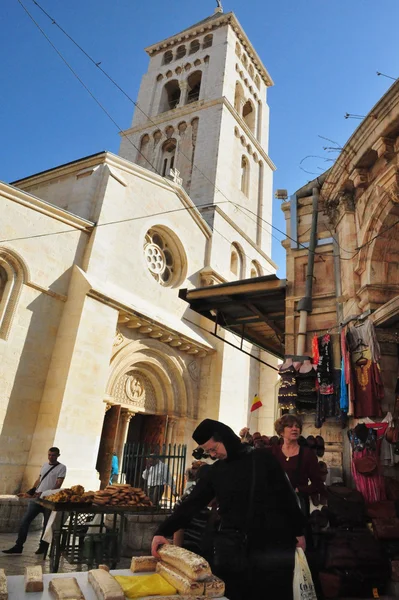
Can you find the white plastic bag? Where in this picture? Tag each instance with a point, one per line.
(303, 582)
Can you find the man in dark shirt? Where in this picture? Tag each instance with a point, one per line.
(274, 527)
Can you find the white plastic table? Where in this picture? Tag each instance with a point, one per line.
(16, 586)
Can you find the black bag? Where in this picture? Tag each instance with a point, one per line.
(346, 506)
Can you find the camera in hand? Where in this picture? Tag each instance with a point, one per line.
(199, 453)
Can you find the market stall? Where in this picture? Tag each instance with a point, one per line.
(16, 587)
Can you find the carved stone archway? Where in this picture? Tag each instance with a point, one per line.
(148, 376)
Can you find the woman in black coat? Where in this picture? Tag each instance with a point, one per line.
(273, 528)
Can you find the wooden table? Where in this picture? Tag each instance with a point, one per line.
(16, 586)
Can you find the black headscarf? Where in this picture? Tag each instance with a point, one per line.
(206, 430)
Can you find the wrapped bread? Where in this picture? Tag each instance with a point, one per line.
(3, 585)
(34, 579)
(180, 581)
(214, 587)
(143, 564)
(66, 588)
(105, 586)
(192, 565)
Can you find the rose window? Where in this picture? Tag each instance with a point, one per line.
(159, 257)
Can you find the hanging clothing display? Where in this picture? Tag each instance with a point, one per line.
(306, 390)
(366, 466)
(328, 380)
(367, 381)
(287, 393)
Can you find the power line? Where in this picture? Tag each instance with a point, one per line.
(97, 64)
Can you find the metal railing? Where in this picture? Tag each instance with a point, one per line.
(158, 470)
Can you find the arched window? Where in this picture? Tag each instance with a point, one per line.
(142, 158)
(244, 175)
(167, 57)
(180, 52)
(244, 60)
(251, 71)
(257, 82)
(238, 97)
(237, 261)
(248, 114)
(168, 157)
(194, 86)
(256, 269)
(234, 262)
(12, 276)
(208, 41)
(238, 49)
(194, 47)
(170, 96)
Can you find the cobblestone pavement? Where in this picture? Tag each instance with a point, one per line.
(14, 564)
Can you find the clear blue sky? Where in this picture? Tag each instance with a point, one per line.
(322, 54)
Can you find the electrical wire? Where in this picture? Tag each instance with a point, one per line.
(97, 64)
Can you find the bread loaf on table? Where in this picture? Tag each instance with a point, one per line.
(214, 587)
(143, 564)
(34, 579)
(66, 588)
(192, 565)
(180, 581)
(3, 585)
(105, 586)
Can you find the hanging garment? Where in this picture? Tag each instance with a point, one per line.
(287, 393)
(368, 385)
(362, 337)
(387, 456)
(370, 485)
(344, 400)
(306, 390)
(325, 373)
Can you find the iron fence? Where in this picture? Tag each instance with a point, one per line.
(158, 470)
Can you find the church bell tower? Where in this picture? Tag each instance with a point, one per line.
(202, 111)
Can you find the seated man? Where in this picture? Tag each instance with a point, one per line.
(52, 474)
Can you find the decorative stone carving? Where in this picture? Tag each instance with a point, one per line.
(385, 147)
(194, 370)
(360, 178)
(119, 339)
(135, 389)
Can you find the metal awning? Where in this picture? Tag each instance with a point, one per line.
(253, 309)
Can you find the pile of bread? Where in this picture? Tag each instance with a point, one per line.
(75, 494)
(119, 494)
(187, 572)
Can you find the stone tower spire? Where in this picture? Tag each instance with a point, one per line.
(203, 111)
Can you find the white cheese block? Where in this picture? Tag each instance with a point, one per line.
(34, 579)
(3, 585)
(192, 565)
(105, 586)
(66, 588)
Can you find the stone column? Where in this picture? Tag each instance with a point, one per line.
(170, 433)
(183, 93)
(123, 430)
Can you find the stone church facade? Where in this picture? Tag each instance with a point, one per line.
(96, 346)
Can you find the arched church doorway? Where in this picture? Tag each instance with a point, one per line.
(149, 398)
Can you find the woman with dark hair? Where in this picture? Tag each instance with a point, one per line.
(299, 462)
(258, 513)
